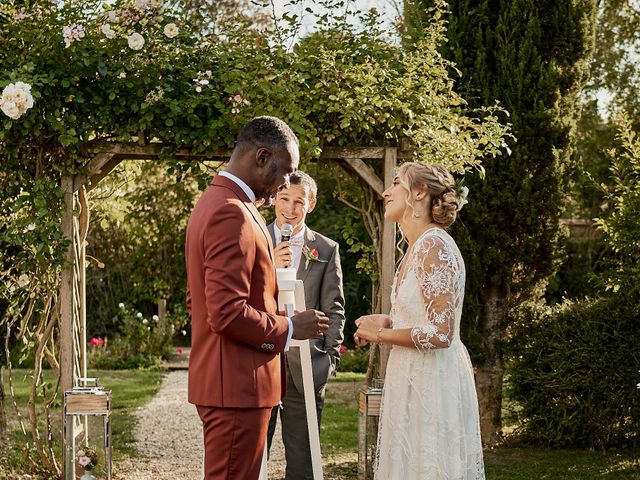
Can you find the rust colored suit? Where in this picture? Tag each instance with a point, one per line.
(236, 373)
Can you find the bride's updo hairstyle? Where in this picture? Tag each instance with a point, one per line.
(437, 180)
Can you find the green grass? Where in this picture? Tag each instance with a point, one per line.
(339, 435)
(130, 390)
(339, 439)
(544, 464)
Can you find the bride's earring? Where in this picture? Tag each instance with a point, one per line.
(417, 214)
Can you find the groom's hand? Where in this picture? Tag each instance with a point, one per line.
(309, 324)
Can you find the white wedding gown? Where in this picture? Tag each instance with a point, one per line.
(429, 425)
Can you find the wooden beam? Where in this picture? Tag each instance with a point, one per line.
(367, 173)
(347, 153)
(360, 153)
(388, 267)
(96, 166)
(66, 319)
(151, 151)
(104, 171)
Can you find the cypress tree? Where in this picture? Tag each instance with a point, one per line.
(532, 56)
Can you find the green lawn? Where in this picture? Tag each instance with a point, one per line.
(131, 389)
(339, 435)
(339, 438)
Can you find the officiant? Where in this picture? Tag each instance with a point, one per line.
(317, 261)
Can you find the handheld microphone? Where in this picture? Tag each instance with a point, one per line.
(285, 232)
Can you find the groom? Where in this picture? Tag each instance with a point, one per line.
(236, 371)
(323, 291)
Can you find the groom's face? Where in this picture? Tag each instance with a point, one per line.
(276, 171)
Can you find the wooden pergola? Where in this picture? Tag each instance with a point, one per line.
(107, 155)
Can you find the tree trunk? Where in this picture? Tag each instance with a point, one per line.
(3, 416)
(489, 374)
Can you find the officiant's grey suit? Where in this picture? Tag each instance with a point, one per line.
(323, 291)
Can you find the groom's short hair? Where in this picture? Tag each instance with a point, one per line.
(266, 132)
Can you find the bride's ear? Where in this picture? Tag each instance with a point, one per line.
(420, 194)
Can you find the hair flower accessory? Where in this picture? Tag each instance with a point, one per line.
(311, 255)
(463, 193)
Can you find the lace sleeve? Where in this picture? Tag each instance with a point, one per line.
(436, 276)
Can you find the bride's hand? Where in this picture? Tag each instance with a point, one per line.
(377, 320)
(360, 342)
(368, 327)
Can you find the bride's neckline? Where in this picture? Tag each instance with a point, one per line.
(402, 268)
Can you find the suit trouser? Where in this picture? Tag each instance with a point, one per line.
(295, 434)
(233, 441)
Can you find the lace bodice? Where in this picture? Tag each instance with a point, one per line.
(428, 291)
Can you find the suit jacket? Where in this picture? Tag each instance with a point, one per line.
(236, 333)
(323, 291)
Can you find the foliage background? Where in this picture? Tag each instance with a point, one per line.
(342, 86)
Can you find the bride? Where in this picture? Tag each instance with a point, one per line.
(429, 426)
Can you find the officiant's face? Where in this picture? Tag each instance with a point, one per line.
(292, 205)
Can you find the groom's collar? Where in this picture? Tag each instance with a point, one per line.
(245, 188)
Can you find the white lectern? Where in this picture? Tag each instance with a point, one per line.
(290, 298)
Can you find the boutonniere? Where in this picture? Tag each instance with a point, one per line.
(311, 255)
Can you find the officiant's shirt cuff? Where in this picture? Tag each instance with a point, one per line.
(289, 335)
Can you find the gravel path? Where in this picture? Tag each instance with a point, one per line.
(169, 438)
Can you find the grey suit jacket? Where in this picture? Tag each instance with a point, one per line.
(323, 291)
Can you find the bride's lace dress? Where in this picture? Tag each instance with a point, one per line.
(429, 425)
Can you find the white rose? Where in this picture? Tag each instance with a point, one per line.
(11, 110)
(29, 102)
(108, 31)
(23, 280)
(122, 75)
(155, 318)
(112, 17)
(140, 5)
(139, 315)
(9, 93)
(23, 86)
(135, 41)
(29, 228)
(145, 321)
(171, 30)
(121, 305)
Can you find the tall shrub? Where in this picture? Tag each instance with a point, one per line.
(576, 378)
(531, 56)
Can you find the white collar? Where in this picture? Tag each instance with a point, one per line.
(245, 188)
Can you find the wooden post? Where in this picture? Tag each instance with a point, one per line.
(3, 417)
(162, 308)
(387, 269)
(66, 320)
